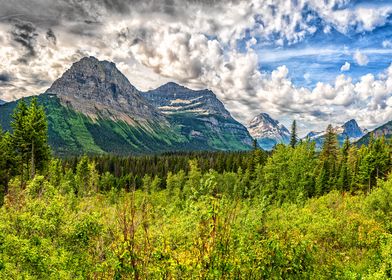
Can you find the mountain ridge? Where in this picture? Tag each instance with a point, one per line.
(349, 129)
(93, 108)
(383, 130)
(268, 132)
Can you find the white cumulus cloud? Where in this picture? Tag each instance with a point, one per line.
(345, 67)
(361, 58)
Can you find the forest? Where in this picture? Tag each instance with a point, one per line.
(293, 213)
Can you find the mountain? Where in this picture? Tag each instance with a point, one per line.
(203, 119)
(2, 102)
(384, 130)
(94, 109)
(98, 89)
(268, 132)
(350, 130)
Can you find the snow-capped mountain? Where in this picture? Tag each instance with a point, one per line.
(268, 132)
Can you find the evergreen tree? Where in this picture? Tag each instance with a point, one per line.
(344, 180)
(37, 145)
(328, 162)
(20, 137)
(293, 136)
(30, 138)
(7, 162)
(82, 176)
(255, 145)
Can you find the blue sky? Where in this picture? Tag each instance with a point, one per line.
(319, 58)
(317, 62)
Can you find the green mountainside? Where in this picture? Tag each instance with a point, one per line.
(73, 133)
(384, 130)
(93, 109)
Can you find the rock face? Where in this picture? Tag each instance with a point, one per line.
(172, 98)
(384, 130)
(268, 132)
(99, 90)
(350, 130)
(202, 117)
(93, 109)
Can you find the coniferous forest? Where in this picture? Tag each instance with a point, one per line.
(293, 213)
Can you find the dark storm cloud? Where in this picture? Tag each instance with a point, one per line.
(24, 33)
(5, 77)
(49, 13)
(51, 37)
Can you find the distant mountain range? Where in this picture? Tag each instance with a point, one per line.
(268, 132)
(384, 130)
(94, 109)
(2, 102)
(350, 130)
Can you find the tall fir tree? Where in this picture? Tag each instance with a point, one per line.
(293, 136)
(30, 138)
(37, 129)
(328, 162)
(344, 180)
(19, 137)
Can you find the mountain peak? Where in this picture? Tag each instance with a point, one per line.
(268, 131)
(172, 98)
(98, 89)
(352, 129)
(263, 118)
(349, 129)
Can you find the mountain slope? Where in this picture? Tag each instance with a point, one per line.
(94, 109)
(268, 132)
(350, 130)
(203, 119)
(384, 130)
(73, 133)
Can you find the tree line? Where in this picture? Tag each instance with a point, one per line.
(288, 172)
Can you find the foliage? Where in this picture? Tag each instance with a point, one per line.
(291, 214)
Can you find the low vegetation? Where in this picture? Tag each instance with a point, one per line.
(292, 214)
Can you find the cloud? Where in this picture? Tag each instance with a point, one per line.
(345, 67)
(360, 58)
(24, 33)
(387, 44)
(5, 77)
(198, 43)
(51, 37)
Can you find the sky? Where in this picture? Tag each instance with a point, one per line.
(315, 61)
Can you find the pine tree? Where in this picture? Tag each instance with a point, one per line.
(328, 162)
(293, 136)
(30, 138)
(37, 141)
(82, 176)
(255, 145)
(344, 181)
(7, 162)
(19, 137)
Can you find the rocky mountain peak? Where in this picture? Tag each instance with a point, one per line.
(98, 89)
(352, 129)
(263, 120)
(267, 131)
(172, 98)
